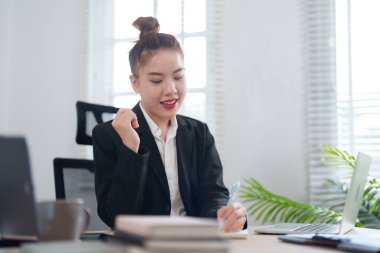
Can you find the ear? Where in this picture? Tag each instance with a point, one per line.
(134, 82)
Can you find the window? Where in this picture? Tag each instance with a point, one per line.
(197, 26)
(358, 78)
(344, 83)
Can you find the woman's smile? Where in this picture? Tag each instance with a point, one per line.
(169, 103)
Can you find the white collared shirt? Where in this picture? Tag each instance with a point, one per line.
(168, 152)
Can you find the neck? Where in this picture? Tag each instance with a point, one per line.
(164, 126)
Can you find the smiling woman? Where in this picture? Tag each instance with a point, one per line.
(150, 160)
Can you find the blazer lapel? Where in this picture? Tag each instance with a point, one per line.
(184, 142)
(155, 162)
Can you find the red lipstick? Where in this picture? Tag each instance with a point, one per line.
(169, 104)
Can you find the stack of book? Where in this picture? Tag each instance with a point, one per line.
(171, 234)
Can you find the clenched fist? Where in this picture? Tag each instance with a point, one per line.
(124, 124)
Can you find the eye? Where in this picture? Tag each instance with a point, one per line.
(178, 78)
(156, 81)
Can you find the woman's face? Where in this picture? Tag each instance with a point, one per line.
(161, 84)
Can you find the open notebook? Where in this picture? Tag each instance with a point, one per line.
(350, 211)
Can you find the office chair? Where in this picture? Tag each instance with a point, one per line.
(74, 178)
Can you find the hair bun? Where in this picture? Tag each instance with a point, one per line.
(147, 26)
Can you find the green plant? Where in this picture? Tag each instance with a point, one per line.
(267, 207)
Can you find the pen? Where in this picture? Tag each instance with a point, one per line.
(234, 192)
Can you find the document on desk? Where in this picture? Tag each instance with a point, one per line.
(350, 243)
(242, 234)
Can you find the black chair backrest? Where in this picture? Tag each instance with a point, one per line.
(74, 177)
(62, 164)
(88, 116)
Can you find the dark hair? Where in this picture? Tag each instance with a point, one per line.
(150, 41)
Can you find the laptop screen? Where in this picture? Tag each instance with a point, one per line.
(350, 212)
(17, 202)
(355, 193)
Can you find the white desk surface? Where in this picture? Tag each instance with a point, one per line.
(267, 244)
(271, 244)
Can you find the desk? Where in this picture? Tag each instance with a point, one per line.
(270, 244)
(267, 244)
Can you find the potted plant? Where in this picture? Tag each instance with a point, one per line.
(267, 207)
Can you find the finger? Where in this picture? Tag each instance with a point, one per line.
(236, 226)
(122, 111)
(221, 212)
(120, 115)
(233, 217)
(135, 122)
(230, 209)
(124, 115)
(236, 220)
(230, 220)
(237, 207)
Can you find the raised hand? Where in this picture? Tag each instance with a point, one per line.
(124, 124)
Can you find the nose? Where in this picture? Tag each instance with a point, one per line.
(170, 87)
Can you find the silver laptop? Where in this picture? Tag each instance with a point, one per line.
(350, 211)
(17, 202)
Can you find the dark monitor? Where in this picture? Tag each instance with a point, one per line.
(18, 214)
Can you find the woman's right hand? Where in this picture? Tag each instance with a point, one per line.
(124, 124)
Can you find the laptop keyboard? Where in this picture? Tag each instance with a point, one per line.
(318, 228)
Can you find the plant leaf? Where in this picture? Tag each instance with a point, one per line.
(266, 206)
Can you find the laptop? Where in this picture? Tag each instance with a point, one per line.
(350, 211)
(18, 213)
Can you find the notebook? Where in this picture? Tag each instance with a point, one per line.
(17, 202)
(162, 226)
(163, 233)
(350, 211)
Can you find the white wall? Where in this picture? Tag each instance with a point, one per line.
(43, 77)
(5, 23)
(43, 74)
(264, 95)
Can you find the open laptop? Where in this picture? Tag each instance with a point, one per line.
(350, 211)
(18, 213)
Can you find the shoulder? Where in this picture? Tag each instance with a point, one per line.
(193, 125)
(188, 122)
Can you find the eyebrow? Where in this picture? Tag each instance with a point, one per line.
(161, 74)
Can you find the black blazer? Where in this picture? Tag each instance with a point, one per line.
(130, 183)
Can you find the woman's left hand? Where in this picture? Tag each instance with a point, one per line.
(232, 217)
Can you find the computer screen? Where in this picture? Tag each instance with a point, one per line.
(18, 213)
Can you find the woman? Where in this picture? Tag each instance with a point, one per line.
(149, 160)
